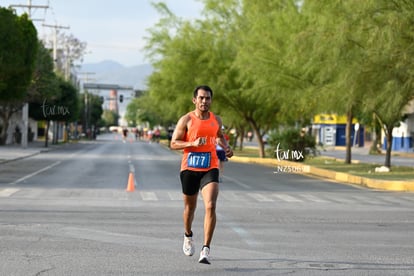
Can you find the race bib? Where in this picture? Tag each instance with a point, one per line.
(199, 160)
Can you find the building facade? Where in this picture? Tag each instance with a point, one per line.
(402, 136)
(329, 130)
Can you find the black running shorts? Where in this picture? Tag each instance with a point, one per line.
(192, 182)
(221, 154)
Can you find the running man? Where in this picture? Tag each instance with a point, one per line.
(197, 133)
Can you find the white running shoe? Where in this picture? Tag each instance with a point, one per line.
(204, 255)
(188, 246)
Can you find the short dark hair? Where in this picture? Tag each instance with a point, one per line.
(203, 87)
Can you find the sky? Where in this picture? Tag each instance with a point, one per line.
(112, 30)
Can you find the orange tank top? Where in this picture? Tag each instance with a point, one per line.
(201, 158)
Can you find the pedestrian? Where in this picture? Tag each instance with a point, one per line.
(221, 154)
(197, 133)
(157, 135)
(250, 136)
(125, 133)
(170, 133)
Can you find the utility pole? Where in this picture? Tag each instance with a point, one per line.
(29, 7)
(86, 98)
(55, 27)
(25, 109)
(55, 60)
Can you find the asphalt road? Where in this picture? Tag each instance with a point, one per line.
(67, 212)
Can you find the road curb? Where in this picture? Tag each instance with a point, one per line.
(21, 153)
(19, 157)
(298, 168)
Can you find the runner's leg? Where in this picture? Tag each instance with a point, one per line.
(190, 204)
(210, 194)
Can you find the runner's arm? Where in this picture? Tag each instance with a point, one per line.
(177, 140)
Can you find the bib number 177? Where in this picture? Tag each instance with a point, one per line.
(199, 160)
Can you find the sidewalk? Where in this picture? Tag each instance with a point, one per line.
(361, 154)
(14, 152)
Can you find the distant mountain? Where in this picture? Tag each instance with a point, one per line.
(111, 72)
(102, 67)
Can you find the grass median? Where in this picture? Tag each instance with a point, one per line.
(398, 173)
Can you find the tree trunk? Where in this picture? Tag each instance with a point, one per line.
(3, 130)
(5, 113)
(236, 138)
(348, 142)
(389, 147)
(47, 133)
(376, 142)
(54, 132)
(259, 136)
(262, 152)
(242, 132)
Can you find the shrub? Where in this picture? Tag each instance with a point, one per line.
(291, 144)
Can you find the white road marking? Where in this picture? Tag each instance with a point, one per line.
(8, 192)
(231, 196)
(287, 198)
(313, 198)
(241, 184)
(148, 196)
(35, 173)
(175, 196)
(260, 197)
(240, 231)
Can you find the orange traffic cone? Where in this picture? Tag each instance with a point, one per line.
(131, 185)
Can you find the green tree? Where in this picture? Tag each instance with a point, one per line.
(276, 63)
(390, 59)
(62, 106)
(176, 59)
(337, 54)
(110, 118)
(202, 52)
(18, 49)
(68, 109)
(45, 84)
(270, 85)
(142, 111)
(44, 87)
(90, 112)
(363, 53)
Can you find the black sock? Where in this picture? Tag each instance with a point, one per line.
(189, 235)
(205, 246)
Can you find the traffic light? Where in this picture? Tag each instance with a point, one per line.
(121, 98)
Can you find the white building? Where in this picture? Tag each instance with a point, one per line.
(402, 136)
